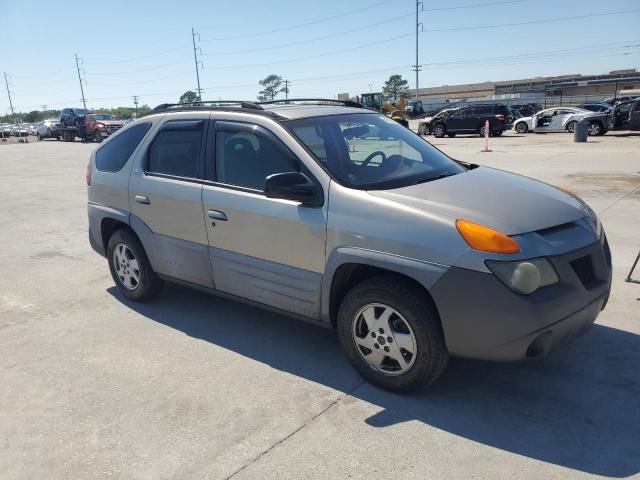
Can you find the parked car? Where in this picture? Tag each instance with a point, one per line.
(20, 131)
(564, 119)
(471, 119)
(268, 204)
(72, 117)
(49, 128)
(101, 125)
(625, 116)
(595, 107)
(6, 131)
(424, 126)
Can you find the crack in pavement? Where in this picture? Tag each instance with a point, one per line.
(287, 437)
(615, 202)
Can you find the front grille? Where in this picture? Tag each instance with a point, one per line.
(583, 268)
(113, 128)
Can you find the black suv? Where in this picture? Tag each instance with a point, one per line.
(72, 117)
(471, 119)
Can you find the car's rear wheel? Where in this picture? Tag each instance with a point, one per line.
(571, 127)
(481, 130)
(521, 127)
(130, 267)
(391, 334)
(439, 131)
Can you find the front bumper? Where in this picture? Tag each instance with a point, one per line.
(482, 318)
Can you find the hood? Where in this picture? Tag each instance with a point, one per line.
(504, 201)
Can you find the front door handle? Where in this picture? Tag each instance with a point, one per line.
(217, 215)
(142, 199)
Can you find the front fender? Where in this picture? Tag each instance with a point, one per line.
(425, 273)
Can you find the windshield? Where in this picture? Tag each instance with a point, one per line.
(105, 117)
(371, 151)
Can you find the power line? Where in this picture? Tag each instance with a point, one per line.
(143, 57)
(300, 25)
(391, 39)
(147, 69)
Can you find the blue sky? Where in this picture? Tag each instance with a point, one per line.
(144, 48)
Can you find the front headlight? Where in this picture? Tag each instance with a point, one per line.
(525, 276)
(594, 221)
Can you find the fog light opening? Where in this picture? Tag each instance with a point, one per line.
(540, 346)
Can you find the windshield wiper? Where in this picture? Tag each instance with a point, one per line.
(437, 177)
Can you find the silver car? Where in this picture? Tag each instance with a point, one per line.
(49, 128)
(564, 119)
(340, 216)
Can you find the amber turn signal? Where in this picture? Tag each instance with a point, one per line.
(485, 239)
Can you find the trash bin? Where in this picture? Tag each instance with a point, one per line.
(581, 131)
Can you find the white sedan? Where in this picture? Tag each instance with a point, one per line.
(557, 119)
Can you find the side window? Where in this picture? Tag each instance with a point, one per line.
(246, 155)
(311, 136)
(176, 149)
(112, 155)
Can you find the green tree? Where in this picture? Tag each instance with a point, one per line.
(188, 97)
(395, 87)
(271, 87)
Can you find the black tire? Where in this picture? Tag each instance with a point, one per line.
(595, 129)
(408, 300)
(481, 130)
(451, 135)
(439, 131)
(97, 137)
(571, 126)
(497, 133)
(521, 127)
(150, 284)
(39, 136)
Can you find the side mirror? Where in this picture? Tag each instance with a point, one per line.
(293, 186)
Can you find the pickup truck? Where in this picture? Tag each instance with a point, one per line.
(101, 125)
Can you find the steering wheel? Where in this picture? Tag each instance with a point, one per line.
(367, 160)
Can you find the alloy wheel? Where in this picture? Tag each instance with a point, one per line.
(126, 267)
(384, 339)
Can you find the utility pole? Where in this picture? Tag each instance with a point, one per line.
(6, 82)
(78, 60)
(195, 59)
(371, 88)
(135, 102)
(44, 111)
(286, 89)
(419, 8)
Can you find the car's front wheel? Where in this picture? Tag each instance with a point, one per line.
(97, 137)
(595, 129)
(391, 334)
(39, 136)
(521, 127)
(439, 131)
(130, 267)
(571, 127)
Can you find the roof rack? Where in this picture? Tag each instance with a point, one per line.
(208, 105)
(314, 101)
(215, 103)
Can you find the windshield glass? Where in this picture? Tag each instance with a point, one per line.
(371, 151)
(105, 117)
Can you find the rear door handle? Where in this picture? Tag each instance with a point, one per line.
(142, 199)
(217, 215)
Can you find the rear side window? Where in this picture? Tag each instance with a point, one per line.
(176, 149)
(113, 155)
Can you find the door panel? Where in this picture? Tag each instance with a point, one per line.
(268, 250)
(171, 206)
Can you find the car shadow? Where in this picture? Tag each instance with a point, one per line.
(579, 408)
